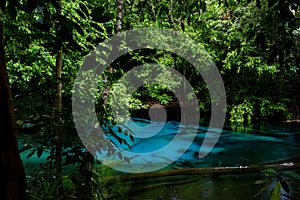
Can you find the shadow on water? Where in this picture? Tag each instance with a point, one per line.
(206, 187)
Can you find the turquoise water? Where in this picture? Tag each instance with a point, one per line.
(242, 145)
(237, 146)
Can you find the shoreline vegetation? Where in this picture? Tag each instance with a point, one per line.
(173, 112)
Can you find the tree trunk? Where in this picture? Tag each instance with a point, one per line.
(12, 175)
(171, 14)
(57, 112)
(118, 27)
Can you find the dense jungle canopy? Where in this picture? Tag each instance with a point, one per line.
(254, 43)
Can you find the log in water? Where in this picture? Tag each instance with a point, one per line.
(206, 170)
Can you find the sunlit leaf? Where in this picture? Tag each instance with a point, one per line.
(275, 195)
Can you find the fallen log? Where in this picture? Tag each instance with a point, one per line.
(201, 171)
(281, 160)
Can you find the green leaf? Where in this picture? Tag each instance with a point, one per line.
(19, 122)
(45, 186)
(225, 3)
(292, 174)
(264, 188)
(275, 195)
(269, 172)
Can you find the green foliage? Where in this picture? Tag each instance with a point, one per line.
(255, 44)
(242, 112)
(277, 184)
(242, 44)
(32, 40)
(44, 185)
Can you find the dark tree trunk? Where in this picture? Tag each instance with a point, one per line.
(118, 27)
(171, 14)
(12, 176)
(57, 118)
(57, 112)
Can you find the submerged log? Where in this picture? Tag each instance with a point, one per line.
(202, 171)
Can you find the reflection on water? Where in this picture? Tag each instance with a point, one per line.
(201, 188)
